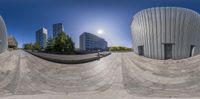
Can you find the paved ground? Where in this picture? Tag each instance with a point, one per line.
(117, 76)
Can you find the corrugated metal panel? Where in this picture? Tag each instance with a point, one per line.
(180, 34)
(173, 29)
(148, 37)
(186, 45)
(145, 34)
(163, 30)
(155, 40)
(151, 34)
(167, 28)
(158, 31)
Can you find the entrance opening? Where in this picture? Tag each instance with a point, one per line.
(168, 51)
(192, 49)
(141, 50)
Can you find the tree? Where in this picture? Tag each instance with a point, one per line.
(36, 46)
(63, 43)
(119, 48)
(60, 42)
(50, 45)
(69, 45)
(28, 46)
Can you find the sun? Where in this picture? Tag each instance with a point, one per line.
(100, 31)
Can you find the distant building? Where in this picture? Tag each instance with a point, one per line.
(41, 37)
(57, 28)
(12, 42)
(91, 42)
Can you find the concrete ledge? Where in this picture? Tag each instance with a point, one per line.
(69, 59)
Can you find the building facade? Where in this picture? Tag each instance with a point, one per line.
(41, 37)
(57, 28)
(166, 33)
(91, 42)
(12, 42)
(3, 36)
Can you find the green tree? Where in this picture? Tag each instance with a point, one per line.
(69, 45)
(50, 45)
(63, 43)
(60, 42)
(28, 46)
(119, 48)
(36, 46)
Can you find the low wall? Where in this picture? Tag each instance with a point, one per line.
(69, 59)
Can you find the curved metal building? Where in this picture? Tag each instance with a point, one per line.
(3, 36)
(166, 33)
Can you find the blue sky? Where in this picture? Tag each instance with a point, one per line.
(24, 17)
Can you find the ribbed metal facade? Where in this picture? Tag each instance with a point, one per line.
(3, 36)
(154, 27)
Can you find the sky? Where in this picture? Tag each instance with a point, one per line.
(24, 17)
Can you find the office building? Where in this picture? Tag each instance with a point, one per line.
(41, 37)
(91, 42)
(57, 28)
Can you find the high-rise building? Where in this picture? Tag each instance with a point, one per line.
(41, 37)
(91, 42)
(57, 28)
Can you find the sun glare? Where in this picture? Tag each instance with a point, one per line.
(100, 31)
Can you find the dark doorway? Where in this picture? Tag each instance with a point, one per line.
(192, 49)
(141, 50)
(168, 51)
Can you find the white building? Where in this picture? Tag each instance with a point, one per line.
(166, 33)
(41, 37)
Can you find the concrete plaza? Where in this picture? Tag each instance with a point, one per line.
(117, 76)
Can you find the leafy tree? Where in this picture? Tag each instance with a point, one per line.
(36, 46)
(69, 45)
(50, 45)
(28, 46)
(119, 48)
(62, 43)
